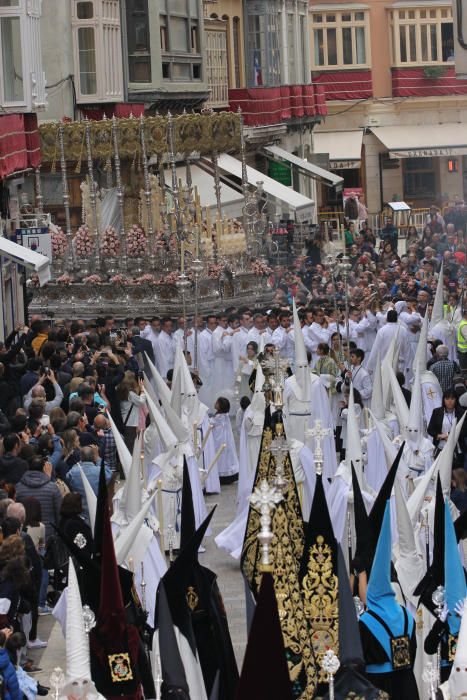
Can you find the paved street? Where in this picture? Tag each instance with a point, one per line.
(230, 583)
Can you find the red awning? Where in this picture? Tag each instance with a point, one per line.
(19, 143)
(123, 109)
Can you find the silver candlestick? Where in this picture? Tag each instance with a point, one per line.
(330, 665)
(143, 588)
(147, 194)
(89, 619)
(439, 601)
(265, 498)
(57, 681)
(93, 195)
(120, 195)
(318, 433)
(430, 676)
(66, 200)
(279, 450)
(196, 268)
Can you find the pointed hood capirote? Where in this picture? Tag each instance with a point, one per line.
(457, 682)
(187, 521)
(302, 367)
(353, 453)
(380, 597)
(114, 643)
(437, 313)
(350, 681)
(434, 576)
(264, 672)
(414, 426)
(172, 668)
(377, 397)
(454, 574)
(133, 495)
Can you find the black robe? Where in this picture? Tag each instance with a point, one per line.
(397, 684)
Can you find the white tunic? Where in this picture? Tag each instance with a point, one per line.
(164, 351)
(206, 367)
(223, 435)
(285, 342)
(223, 375)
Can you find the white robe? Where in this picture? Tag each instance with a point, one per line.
(223, 435)
(165, 353)
(299, 416)
(206, 367)
(382, 343)
(223, 374)
(250, 445)
(212, 483)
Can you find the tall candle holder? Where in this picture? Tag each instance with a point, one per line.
(66, 200)
(120, 196)
(93, 196)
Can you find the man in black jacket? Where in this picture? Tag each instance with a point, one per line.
(12, 467)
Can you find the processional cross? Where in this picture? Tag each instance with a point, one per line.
(318, 433)
(265, 498)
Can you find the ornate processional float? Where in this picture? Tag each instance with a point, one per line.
(146, 242)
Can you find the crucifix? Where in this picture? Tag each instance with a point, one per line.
(265, 498)
(431, 394)
(279, 450)
(318, 433)
(277, 367)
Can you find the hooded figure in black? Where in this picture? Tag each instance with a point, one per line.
(196, 605)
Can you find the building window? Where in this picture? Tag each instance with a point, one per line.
(291, 46)
(217, 76)
(97, 50)
(236, 51)
(138, 38)
(11, 60)
(302, 63)
(263, 32)
(419, 178)
(180, 18)
(87, 60)
(340, 39)
(422, 36)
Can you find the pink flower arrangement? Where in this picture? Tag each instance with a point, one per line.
(136, 242)
(110, 244)
(84, 244)
(260, 269)
(93, 279)
(172, 278)
(64, 279)
(148, 279)
(119, 279)
(59, 242)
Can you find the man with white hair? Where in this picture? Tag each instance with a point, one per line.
(444, 369)
(38, 392)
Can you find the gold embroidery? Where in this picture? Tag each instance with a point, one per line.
(192, 598)
(120, 667)
(193, 132)
(400, 648)
(286, 552)
(320, 592)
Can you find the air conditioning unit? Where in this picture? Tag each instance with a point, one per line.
(459, 12)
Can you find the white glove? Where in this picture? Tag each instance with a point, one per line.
(459, 607)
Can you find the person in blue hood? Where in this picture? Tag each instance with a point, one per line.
(387, 629)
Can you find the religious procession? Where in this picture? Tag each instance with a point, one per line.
(233, 350)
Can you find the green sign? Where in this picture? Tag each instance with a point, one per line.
(280, 172)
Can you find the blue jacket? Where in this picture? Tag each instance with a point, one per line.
(10, 681)
(75, 482)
